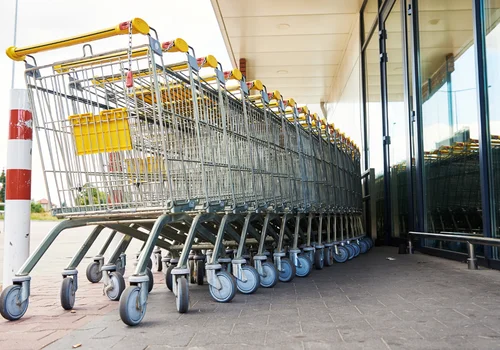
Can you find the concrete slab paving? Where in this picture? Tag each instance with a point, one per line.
(413, 302)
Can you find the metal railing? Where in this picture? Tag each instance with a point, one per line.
(469, 239)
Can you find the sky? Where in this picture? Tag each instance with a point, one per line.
(41, 21)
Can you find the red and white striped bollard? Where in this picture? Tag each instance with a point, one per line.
(17, 185)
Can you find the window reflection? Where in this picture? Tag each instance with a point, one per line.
(492, 14)
(450, 122)
(374, 120)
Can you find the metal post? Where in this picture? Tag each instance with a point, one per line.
(373, 205)
(485, 156)
(420, 189)
(471, 260)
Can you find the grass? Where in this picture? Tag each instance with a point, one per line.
(39, 217)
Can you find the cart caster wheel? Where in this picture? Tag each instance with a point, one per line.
(287, 270)
(159, 263)
(151, 280)
(94, 273)
(192, 277)
(67, 294)
(119, 267)
(118, 282)
(150, 263)
(10, 308)
(342, 255)
(228, 288)
(351, 252)
(131, 312)
(369, 241)
(304, 266)
(319, 260)
(270, 277)
(357, 249)
(200, 272)
(168, 277)
(363, 246)
(252, 282)
(182, 297)
(329, 257)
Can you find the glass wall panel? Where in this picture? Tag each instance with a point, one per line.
(369, 16)
(492, 14)
(398, 122)
(374, 120)
(450, 121)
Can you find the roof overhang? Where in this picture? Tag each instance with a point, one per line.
(293, 46)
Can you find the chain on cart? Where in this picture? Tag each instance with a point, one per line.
(224, 180)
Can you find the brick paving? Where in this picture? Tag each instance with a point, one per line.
(414, 302)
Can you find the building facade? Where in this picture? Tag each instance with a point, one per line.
(429, 90)
(415, 82)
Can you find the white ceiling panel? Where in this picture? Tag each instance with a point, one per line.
(304, 82)
(289, 25)
(291, 58)
(293, 71)
(287, 43)
(263, 8)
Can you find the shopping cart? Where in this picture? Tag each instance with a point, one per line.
(189, 159)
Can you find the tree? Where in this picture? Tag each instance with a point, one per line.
(36, 208)
(2, 189)
(90, 195)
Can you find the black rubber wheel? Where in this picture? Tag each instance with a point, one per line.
(150, 263)
(168, 277)
(192, 277)
(200, 272)
(10, 309)
(67, 295)
(151, 282)
(159, 263)
(131, 312)
(118, 286)
(319, 261)
(182, 297)
(329, 256)
(94, 273)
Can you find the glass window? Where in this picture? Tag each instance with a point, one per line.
(398, 122)
(369, 16)
(492, 15)
(450, 122)
(374, 121)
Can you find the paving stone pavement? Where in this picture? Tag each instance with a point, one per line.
(414, 302)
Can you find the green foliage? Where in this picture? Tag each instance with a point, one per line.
(91, 196)
(36, 208)
(2, 189)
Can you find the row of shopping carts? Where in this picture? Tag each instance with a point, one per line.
(236, 185)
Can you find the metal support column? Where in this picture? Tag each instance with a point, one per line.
(485, 162)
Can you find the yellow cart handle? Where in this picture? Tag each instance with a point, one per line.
(107, 58)
(255, 84)
(139, 26)
(275, 95)
(290, 102)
